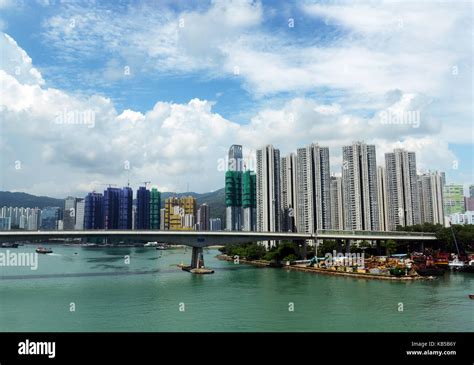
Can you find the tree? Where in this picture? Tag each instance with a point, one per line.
(390, 247)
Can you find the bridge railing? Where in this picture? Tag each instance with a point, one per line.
(372, 233)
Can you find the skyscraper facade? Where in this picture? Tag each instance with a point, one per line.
(430, 193)
(111, 202)
(143, 208)
(93, 218)
(249, 200)
(203, 216)
(215, 224)
(69, 216)
(453, 199)
(125, 208)
(155, 206)
(268, 190)
(233, 200)
(337, 210)
(359, 184)
(382, 198)
(233, 189)
(313, 188)
(80, 208)
(178, 212)
(288, 193)
(50, 217)
(403, 204)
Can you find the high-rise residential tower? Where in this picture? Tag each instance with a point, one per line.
(111, 204)
(382, 198)
(268, 190)
(93, 217)
(125, 208)
(249, 200)
(80, 208)
(453, 199)
(69, 217)
(337, 210)
(313, 188)
(430, 192)
(143, 208)
(359, 185)
(203, 216)
(288, 193)
(233, 189)
(155, 206)
(403, 203)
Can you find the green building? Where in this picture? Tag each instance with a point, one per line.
(233, 200)
(155, 205)
(453, 199)
(249, 200)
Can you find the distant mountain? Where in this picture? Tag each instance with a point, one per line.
(25, 200)
(215, 199)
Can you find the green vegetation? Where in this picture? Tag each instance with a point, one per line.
(464, 235)
(253, 251)
(390, 247)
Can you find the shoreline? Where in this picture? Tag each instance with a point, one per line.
(314, 270)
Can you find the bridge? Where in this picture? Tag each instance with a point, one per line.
(199, 239)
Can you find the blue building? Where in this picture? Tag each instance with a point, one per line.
(50, 217)
(143, 208)
(125, 208)
(93, 214)
(111, 208)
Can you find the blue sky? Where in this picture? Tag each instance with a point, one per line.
(173, 84)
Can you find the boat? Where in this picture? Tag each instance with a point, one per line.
(456, 264)
(424, 270)
(43, 250)
(9, 245)
(151, 244)
(162, 246)
(471, 296)
(441, 259)
(469, 267)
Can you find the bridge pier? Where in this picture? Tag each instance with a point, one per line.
(339, 245)
(348, 246)
(197, 263)
(197, 258)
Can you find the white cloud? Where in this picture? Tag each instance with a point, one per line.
(16, 62)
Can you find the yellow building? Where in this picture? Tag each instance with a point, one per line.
(179, 212)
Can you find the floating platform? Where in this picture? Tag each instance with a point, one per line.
(198, 271)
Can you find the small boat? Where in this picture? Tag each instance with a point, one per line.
(9, 245)
(455, 263)
(151, 244)
(162, 246)
(471, 296)
(468, 267)
(43, 250)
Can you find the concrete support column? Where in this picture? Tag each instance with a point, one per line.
(339, 245)
(197, 258)
(348, 246)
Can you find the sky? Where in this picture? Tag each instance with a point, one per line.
(110, 92)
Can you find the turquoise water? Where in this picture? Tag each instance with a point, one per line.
(148, 293)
